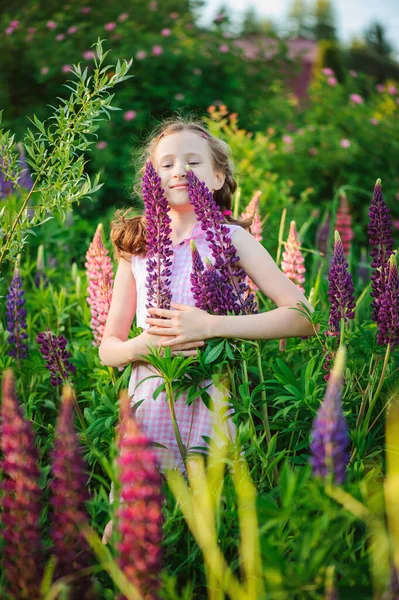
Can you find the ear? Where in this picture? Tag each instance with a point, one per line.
(220, 178)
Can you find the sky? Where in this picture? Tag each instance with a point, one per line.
(353, 16)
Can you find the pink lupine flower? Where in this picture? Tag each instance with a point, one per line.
(313, 151)
(252, 210)
(22, 557)
(51, 24)
(166, 32)
(174, 15)
(141, 54)
(9, 30)
(356, 99)
(85, 10)
(153, 6)
(129, 115)
(123, 17)
(292, 263)
(59, 37)
(327, 71)
(71, 30)
(392, 90)
(140, 514)
(66, 68)
(32, 30)
(44, 70)
(287, 139)
(224, 48)
(343, 224)
(332, 81)
(68, 498)
(100, 276)
(374, 121)
(380, 87)
(14, 24)
(344, 143)
(157, 50)
(110, 26)
(353, 73)
(101, 145)
(88, 55)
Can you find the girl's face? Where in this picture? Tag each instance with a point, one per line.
(173, 153)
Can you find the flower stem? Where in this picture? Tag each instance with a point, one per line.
(380, 384)
(171, 403)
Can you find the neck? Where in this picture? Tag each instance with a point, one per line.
(182, 222)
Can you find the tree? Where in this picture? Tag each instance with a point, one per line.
(252, 24)
(375, 39)
(299, 19)
(325, 25)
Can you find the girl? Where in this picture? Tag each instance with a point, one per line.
(185, 328)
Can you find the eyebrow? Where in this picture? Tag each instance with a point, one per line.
(187, 154)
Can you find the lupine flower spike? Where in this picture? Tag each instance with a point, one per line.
(16, 317)
(381, 242)
(53, 350)
(140, 514)
(252, 210)
(69, 496)
(343, 224)
(388, 314)
(329, 437)
(322, 235)
(158, 241)
(292, 262)
(341, 292)
(22, 557)
(223, 251)
(101, 281)
(197, 277)
(25, 178)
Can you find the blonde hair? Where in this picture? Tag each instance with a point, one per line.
(128, 234)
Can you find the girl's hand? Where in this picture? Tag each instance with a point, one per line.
(186, 323)
(145, 339)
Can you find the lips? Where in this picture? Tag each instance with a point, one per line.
(179, 185)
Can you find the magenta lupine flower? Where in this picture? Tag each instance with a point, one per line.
(101, 281)
(218, 293)
(22, 556)
(158, 241)
(341, 291)
(322, 236)
(140, 514)
(16, 317)
(388, 314)
(343, 223)
(69, 495)
(381, 241)
(329, 436)
(252, 210)
(292, 262)
(53, 350)
(223, 251)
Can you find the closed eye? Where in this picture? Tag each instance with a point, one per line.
(190, 163)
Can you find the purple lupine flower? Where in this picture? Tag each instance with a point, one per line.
(329, 436)
(340, 290)
(223, 251)
(16, 317)
(22, 556)
(6, 186)
(322, 235)
(68, 499)
(380, 238)
(197, 277)
(219, 294)
(25, 178)
(388, 314)
(53, 350)
(158, 241)
(140, 514)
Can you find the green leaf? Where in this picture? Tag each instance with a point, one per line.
(214, 353)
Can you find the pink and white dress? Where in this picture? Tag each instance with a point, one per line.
(153, 416)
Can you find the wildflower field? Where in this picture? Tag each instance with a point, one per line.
(304, 505)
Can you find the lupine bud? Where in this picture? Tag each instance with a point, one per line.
(16, 317)
(68, 499)
(74, 271)
(101, 281)
(158, 241)
(53, 350)
(40, 275)
(380, 239)
(252, 210)
(140, 515)
(292, 264)
(329, 437)
(341, 292)
(22, 557)
(388, 314)
(223, 251)
(343, 223)
(322, 236)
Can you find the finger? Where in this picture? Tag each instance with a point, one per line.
(184, 353)
(179, 306)
(169, 331)
(161, 312)
(189, 345)
(159, 322)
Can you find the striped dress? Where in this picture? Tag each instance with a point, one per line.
(153, 416)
